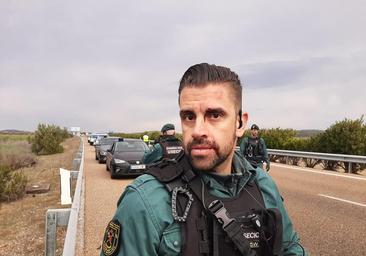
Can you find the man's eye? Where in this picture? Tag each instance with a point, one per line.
(215, 115)
(188, 117)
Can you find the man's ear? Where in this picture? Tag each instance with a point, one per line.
(241, 123)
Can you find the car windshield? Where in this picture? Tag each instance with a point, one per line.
(130, 146)
(107, 141)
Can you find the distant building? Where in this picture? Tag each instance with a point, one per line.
(75, 131)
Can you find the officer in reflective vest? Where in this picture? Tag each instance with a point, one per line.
(209, 200)
(254, 149)
(167, 146)
(145, 138)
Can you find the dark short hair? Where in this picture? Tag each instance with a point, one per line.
(200, 75)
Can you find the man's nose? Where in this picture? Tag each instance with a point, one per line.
(200, 128)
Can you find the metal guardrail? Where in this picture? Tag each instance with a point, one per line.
(321, 156)
(77, 204)
(67, 217)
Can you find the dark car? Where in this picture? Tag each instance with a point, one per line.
(102, 147)
(125, 158)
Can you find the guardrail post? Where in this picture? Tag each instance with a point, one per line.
(54, 218)
(76, 163)
(349, 167)
(51, 222)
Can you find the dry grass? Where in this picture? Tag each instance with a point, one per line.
(14, 137)
(15, 151)
(22, 222)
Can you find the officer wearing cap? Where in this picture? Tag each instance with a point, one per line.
(167, 146)
(209, 200)
(254, 149)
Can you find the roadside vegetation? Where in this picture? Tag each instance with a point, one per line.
(19, 151)
(343, 137)
(15, 153)
(47, 139)
(22, 221)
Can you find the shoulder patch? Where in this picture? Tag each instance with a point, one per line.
(111, 240)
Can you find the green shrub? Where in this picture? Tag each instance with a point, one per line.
(12, 184)
(47, 139)
(296, 144)
(344, 137)
(275, 138)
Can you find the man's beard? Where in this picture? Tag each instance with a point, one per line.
(209, 163)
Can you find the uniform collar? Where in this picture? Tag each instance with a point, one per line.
(230, 185)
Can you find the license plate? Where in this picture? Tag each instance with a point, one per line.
(138, 166)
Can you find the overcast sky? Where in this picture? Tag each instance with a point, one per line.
(115, 65)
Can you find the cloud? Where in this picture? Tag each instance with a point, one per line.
(117, 65)
(324, 91)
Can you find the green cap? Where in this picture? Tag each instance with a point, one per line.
(254, 127)
(167, 127)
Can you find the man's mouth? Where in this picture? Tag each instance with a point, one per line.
(201, 149)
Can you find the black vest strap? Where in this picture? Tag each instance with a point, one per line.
(217, 209)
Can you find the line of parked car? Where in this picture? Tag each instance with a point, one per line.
(122, 156)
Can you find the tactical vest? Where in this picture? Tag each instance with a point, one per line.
(171, 146)
(254, 151)
(210, 225)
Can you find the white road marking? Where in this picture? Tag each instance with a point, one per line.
(319, 172)
(343, 200)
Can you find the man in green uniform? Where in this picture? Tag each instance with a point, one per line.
(254, 149)
(167, 146)
(210, 200)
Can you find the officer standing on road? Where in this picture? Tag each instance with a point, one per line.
(254, 149)
(145, 138)
(210, 200)
(168, 146)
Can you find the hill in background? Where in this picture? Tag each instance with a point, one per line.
(13, 131)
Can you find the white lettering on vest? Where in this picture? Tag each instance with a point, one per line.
(173, 150)
(251, 235)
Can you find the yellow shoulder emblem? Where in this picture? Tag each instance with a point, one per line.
(111, 240)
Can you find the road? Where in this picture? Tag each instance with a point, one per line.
(328, 209)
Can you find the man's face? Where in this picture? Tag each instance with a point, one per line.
(254, 133)
(209, 124)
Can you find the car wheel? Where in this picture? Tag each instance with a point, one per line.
(96, 157)
(100, 161)
(113, 175)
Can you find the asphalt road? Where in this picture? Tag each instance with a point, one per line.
(328, 209)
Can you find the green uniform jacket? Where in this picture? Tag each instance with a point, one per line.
(147, 226)
(154, 155)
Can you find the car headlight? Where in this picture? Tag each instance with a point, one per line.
(119, 161)
(103, 153)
